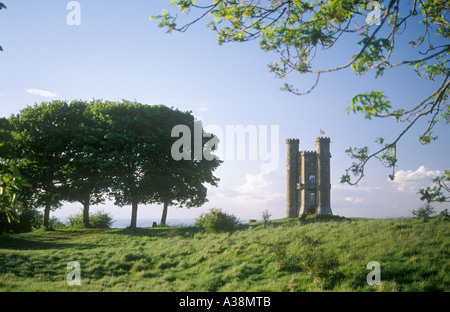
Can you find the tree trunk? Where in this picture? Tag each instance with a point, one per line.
(46, 215)
(164, 214)
(86, 213)
(134, 208)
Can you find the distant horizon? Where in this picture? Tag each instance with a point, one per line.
(122, 223)
(148, 222)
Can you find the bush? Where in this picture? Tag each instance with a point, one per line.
(29, 220)
(266, 217)
(216, 221)
(424, 212)
(305, 256)
(55, 223)
(444, 216)
(75, 220)
(99, 220)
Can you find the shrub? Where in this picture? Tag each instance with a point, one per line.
(444, 216)
(424, 212)
(324, 269)
(305, 256)
(99, 220)
(266, 217)
(75, 220)
(55, 223)
(29, 220)
(216, 221)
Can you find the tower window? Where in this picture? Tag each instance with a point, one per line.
(312, 180)
(312, 197)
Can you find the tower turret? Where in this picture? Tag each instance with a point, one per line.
(323, 175)
(292, 177)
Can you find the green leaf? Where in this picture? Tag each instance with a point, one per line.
(373, 103)
(7, 177)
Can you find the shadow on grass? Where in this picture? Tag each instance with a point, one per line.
(27, 265)
(18, 243)
(41, 239)
(182, 231)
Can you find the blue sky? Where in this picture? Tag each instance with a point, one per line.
(118, 53)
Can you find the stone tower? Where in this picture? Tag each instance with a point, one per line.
(323, 176)
(308, 179)
(292, 165)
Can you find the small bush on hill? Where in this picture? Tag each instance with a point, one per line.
(444, 216)
(424, 212)
(98, 220)
(216, 221)
(266, 217)
(101, 220)
(305, 256)
(54, 223)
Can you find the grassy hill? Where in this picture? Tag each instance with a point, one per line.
(285, 255)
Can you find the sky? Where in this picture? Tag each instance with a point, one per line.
(116, 52)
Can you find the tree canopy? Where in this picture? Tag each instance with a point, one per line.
(87, 152)
(44, 134)
(12, 183)
(297, 31)
(186, 186)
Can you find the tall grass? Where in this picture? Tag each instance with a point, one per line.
(285, 255)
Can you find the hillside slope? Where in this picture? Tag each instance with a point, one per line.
(285, 255)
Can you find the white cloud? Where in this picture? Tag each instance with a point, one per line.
(354, 199)
(203, 107)
(261, 187)
(356, 188)
(255, 183)
(43, 93)
(411, 181)
(2, 94)
(259, 192)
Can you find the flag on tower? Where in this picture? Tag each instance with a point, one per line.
(322, 132)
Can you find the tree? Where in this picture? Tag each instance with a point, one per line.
(424, 212)
(182, 181)
(87, 175)
(43, 134)
(12, 182)
(125, 141)
(296, 31)
(137, 156)
(440, 192)
(83, 152)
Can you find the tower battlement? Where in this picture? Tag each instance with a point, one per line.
(308, 178)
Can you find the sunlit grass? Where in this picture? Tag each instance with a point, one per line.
(413, 255)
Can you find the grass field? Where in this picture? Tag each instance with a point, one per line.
(283, 256)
